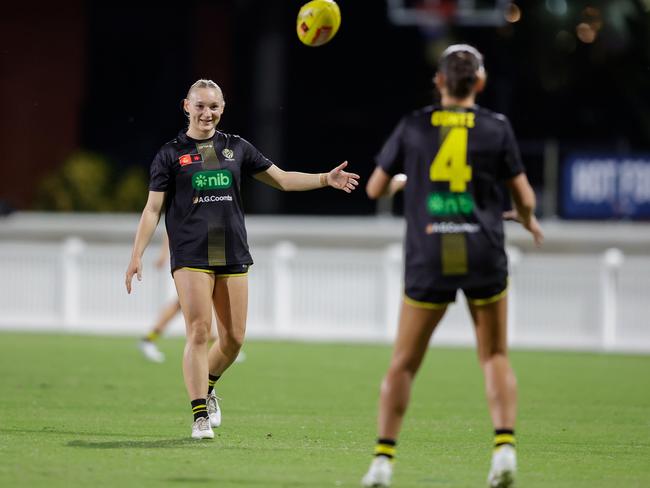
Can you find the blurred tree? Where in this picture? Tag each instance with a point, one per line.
(131, 191)
(85, 182)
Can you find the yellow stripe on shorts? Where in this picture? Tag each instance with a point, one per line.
(209, 271)
(427, 305)
(231, 275)
(487, 301)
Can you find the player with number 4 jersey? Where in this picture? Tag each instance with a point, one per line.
(456, 159)
(451, 160)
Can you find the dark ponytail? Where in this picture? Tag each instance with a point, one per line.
(461, 65)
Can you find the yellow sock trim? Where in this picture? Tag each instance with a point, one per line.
(504, 439)
(152, 336)
(384, 449)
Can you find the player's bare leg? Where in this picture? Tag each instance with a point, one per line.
(416, 326)
(231, 307)
(195, 294)
(148, 343)
(500, 386)
(166, 316)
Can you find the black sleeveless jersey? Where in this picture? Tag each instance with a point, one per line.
(456, 160)
(203, 208)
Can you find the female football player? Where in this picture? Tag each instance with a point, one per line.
(455, 156)
(197, 178)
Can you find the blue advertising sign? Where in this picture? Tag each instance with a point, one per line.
(596, 187)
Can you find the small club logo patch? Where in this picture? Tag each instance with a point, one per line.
(228, 153)
(189, 159)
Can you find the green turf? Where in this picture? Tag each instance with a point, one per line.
(89, 411)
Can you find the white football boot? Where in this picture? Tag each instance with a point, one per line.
(151, 351)
(504, 467)
(380, 473)
(201, 429)
(214, 412)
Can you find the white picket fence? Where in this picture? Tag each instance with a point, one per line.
(326, 279)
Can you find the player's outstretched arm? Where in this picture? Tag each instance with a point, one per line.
(381, 184)
(523, 197)
(146, 227)
(296, 181)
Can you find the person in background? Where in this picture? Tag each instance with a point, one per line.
(147, 344)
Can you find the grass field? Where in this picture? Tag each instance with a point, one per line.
(89, 411)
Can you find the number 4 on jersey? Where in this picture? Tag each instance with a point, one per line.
(450, 164)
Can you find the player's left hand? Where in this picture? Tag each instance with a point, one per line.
(342, 180)
(134, 268)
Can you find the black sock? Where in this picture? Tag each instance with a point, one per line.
(199, 409)
(211, 381)
(503, 437)
(385, 447)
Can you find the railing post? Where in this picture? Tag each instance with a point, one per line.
(514, 259)
(71, 289)
(551, 178)
(611, 264)
(393, 288)
(283, 253)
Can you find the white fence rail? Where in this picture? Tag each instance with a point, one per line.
(319, 283)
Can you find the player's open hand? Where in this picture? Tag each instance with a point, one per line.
(135, 268)
(342, 180)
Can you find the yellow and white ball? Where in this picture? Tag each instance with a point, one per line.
(318, 22)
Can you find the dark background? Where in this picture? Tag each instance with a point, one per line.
(108, 78)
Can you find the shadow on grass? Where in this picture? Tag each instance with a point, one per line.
(49, 430)
(190, 480)
(245, 481)
(153, 444)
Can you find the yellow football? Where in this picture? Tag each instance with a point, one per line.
(318, 22)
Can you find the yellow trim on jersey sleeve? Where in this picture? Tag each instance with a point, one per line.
(427, 305)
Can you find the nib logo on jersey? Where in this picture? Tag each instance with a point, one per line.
(439, 204)
(212, 180)
(450, 205)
